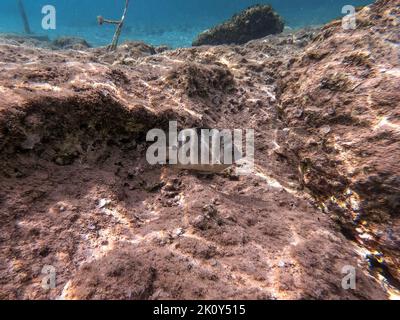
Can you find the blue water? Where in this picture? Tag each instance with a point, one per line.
(170, 22)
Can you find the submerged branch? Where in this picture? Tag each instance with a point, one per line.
(24, 17)
(119, 23)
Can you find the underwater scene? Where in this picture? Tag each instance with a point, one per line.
(200, 150)
(174, 23)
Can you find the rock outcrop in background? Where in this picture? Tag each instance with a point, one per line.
(253, 23)
(77, 193)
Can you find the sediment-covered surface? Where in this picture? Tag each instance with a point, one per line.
(76, 192)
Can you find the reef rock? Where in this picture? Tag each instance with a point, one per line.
(253, 23)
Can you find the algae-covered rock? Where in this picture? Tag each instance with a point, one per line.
(253, 23)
